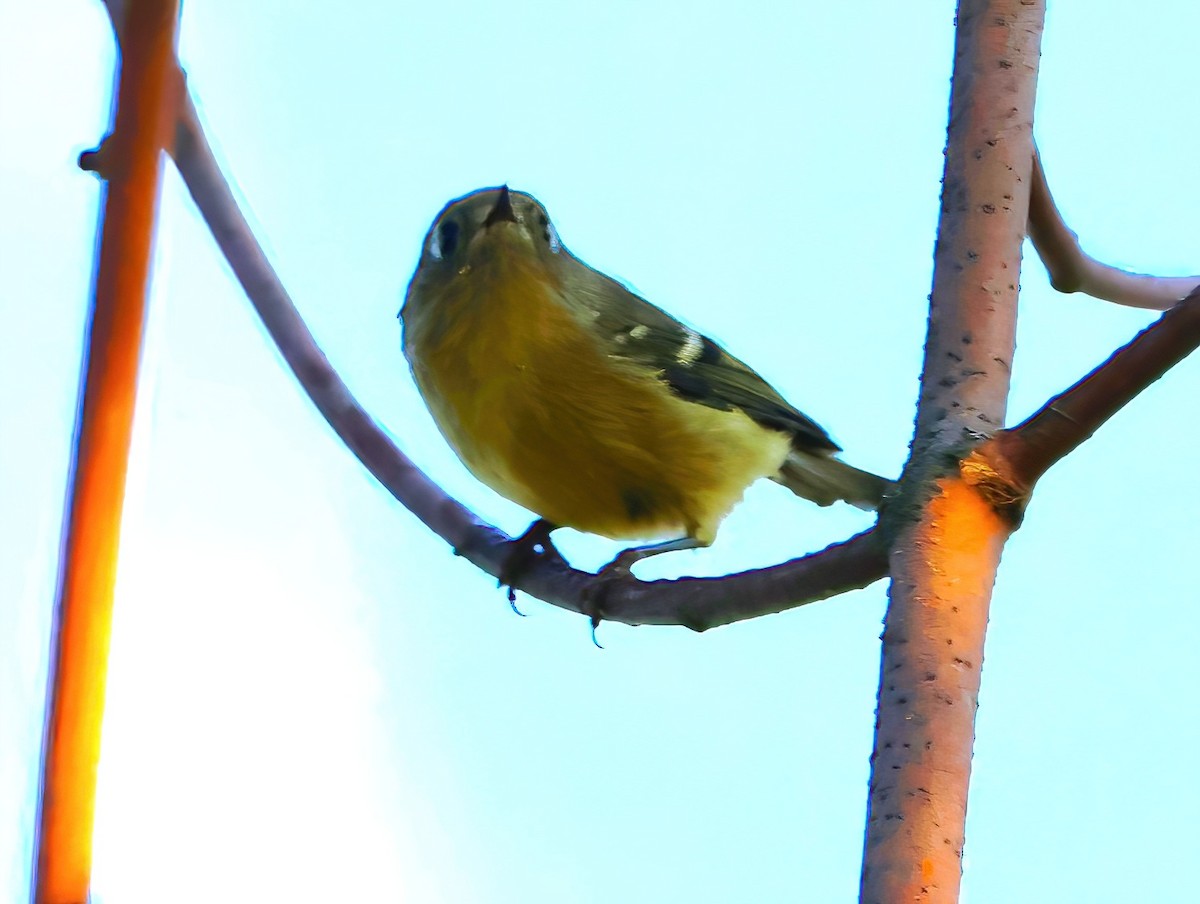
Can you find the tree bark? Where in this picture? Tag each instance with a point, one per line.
(947, 537)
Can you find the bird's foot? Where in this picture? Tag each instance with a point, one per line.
(607, 580)
(523, 552)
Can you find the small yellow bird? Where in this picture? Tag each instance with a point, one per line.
(575, 398)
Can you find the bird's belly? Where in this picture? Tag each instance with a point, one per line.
(589, 441)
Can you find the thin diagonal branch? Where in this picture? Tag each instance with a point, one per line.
(1024, 453)
(697, 603)
(1072, 270)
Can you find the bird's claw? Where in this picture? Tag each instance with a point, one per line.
(526, 549)
(613, 574)
(512, 599)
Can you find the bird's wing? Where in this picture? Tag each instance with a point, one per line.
(695, 367)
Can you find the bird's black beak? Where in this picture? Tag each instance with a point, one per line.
(503, 211)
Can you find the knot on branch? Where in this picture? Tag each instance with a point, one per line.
(1003, 492)
(101, 160)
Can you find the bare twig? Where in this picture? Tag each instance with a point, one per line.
(1024, 453)
(1071, 270)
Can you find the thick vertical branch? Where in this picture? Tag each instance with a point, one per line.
(947, 539)
(131, 160)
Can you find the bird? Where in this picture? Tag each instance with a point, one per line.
(569, 394)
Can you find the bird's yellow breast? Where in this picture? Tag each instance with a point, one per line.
(526, 395)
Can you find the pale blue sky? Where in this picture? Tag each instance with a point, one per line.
(313, 700)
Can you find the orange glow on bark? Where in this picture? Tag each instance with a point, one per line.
(943, 571)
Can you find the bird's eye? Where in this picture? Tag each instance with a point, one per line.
(549, 233)
(445, 240)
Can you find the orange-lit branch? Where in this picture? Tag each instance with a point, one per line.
(131, 160)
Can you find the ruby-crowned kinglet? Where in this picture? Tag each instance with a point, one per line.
(572, 396)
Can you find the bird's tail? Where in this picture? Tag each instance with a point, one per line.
(826, 480)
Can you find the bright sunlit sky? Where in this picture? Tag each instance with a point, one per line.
(312, 700)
